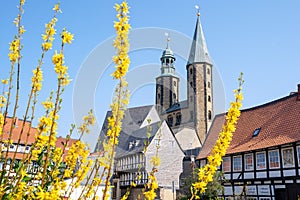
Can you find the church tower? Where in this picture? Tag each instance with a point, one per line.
(167, 83)
(199, 83)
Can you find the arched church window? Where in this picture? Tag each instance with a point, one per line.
(191, 71)
(174, 83)
(209, 115)
(170, 120)
(208, 71)
(178, 119)
(208, 98)
(208, 84)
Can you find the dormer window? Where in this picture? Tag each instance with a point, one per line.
(256, 132)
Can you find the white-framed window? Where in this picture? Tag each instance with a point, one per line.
(226, 165)
(298, 155)
(202, 163)
(249, 162)
(251, 198)
(237, 163)
(288, 157)
(274, 159)
(261, 160)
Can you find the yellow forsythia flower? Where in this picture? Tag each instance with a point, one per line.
(4, 81)
(67, 37)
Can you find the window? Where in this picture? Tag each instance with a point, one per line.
(202, 163)
(209, 115)
(191, 83)
(191, 71)
(287, 157)
(208, 71)
(208, 84)
(237, 163)
(249, 162)
(174, 83)
(226, 164)
(256, 132)
(170, 120)
(178, 119)
(208, 98)
(261, 160)
(274, 159)
(298, 151)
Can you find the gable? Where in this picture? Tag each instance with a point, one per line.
(188, 139)
(152, 116)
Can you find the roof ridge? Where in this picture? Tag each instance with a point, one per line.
(262, 105)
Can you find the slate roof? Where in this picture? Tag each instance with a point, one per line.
(279, 121)
(177, 106)
(199, 52)
(132, 121)
(137, 139)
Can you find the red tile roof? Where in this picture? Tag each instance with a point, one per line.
(279, 121)
(31, 139)
(17, 130)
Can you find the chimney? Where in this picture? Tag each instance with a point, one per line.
(16, 122)
(298, 97)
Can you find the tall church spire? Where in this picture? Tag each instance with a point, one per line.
(199, 52)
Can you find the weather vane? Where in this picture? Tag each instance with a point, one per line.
(198, 10)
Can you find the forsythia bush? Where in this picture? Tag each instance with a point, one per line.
(206, 173)
(56, 165)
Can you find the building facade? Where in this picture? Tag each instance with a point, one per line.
(22, 139)
(263, 160)
(197, 111)
(180, 125)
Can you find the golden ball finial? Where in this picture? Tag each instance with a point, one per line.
(198, 10)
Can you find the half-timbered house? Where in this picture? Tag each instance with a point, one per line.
(263, 160)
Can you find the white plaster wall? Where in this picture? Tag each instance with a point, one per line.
(170, 155)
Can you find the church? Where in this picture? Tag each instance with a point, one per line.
(176, 127)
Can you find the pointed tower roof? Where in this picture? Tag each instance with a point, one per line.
(199, 52)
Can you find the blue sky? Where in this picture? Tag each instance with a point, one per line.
(258, 38)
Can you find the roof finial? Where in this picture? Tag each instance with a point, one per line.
(198, 10)
(168, 39)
